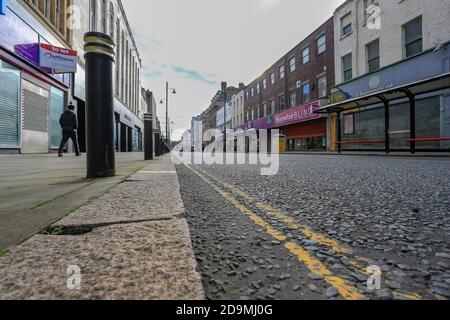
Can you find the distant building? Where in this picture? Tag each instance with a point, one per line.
(286, 95)
(237, 102)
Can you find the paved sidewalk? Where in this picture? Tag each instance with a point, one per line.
(131, 243)
(37, 190)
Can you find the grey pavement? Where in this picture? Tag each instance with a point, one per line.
(390, 212)
(37, 190)
(131, 243)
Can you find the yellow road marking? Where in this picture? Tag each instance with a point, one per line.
(410, 296)
(347, 291)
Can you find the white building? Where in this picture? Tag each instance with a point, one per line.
(237, 104)
(371, 34)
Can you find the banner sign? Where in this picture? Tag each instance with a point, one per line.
(296, 115)
(59, 60)
(3, 5)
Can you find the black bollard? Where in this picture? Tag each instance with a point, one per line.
(99, 55)
(148, 136)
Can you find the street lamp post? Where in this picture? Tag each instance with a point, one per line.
(167, 110)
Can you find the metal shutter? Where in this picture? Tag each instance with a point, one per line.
(9, 106)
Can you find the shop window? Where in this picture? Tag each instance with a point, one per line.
(306, 93)
(347, 68)
(322, 85)
(349, 124)
(413, 37)
(429, 124)
(373, 55)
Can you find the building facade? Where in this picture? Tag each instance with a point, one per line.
(237, 103)
(392, 65)
(286, 95)
(32, 96)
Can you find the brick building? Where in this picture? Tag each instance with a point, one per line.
(288, 92)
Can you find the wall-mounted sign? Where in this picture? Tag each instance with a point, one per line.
(3, 5)
(59, 60)
(296, 115)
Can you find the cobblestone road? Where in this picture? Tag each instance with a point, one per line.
(312, 231)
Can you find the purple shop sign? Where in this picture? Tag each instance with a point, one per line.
(29, 52)
(296, 115)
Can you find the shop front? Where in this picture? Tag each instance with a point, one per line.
(33, 92)
(304, 129)
(400, 108)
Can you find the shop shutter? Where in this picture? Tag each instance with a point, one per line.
(35, 108)
(9, 105)
(310, 129)
(56, 109)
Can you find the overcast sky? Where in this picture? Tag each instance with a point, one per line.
(196, 44)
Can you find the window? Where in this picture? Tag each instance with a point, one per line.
(322, 85)
(253, 115)
(104, 16)
(258, 88)
(282, 71)
(246, 95)
(272, 78)
(349, 124)
(47, 9)
(347, 69)
(346, 25)
(306, 93)
(292, 99)
(264, 84)
(292, 64)
(93, 11)
(111, 20)
(258, 112)
(252, 90)
(373, 56)
(305, 55)
(413, 37)
(321, 44)
(282, 102)
(58, 15)
(264, 109)
(272, 107)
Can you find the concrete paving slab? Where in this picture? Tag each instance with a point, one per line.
(152, 260)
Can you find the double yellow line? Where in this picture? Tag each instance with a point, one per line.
(315, 266)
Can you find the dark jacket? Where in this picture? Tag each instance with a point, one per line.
(68, 120)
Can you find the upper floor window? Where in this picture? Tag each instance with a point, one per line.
(93, 11)
(258, 88)
(264, 84)
(413, 37)
(321, 44)
(292, 99)
(322, 86)
(282, 102)
(272, 78)
(58, 14)
(282, 71)
(292, 64)
(252, 90)
(264, 107)
(111, 20)
(104, 16)
(306, 93)
(272, 107)
(305, 55)
(347, 68)
(346, 24)
(373, 56)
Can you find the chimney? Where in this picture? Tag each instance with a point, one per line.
(241, 86)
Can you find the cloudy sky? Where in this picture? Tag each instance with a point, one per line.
(196, 44)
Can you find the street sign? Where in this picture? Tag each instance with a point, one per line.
(59, 60)
(3, 5)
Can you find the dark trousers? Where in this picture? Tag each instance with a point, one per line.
(69, 134)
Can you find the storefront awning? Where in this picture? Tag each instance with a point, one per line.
(416, 88)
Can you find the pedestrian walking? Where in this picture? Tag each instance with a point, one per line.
(69, 126)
